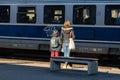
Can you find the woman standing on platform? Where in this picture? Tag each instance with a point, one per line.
(66, 33)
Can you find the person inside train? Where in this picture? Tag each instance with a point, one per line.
(55, 21)
(66, 33)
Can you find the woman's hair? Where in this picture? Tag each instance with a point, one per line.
(67, 23)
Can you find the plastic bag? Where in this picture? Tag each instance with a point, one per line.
(71, 44)
(62, 50)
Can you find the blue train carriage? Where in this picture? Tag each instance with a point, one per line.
(27, 24)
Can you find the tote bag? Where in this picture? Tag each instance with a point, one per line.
(71, 44)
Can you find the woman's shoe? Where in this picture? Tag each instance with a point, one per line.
(69, 67)
(64, 66)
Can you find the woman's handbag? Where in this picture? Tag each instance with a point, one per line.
(62, 49)
(71, 44)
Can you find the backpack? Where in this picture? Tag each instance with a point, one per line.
(54, 42)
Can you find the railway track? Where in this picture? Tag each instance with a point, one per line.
(34, 55)
(24, 54)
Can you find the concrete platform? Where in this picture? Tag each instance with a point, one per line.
(36, 70)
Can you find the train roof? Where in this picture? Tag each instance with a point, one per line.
(56, 1)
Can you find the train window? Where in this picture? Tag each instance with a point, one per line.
(54, 14)
(4, 14)
(84, 14)
(112, 15)
(26, 15)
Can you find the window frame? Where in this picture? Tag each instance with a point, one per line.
(49, 12)
(89, 21)
(5, 17)
(108, 15)
(23, 13)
